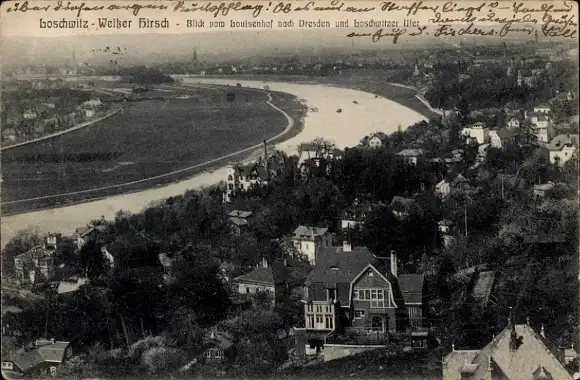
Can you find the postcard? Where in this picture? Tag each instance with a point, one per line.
(289, 189)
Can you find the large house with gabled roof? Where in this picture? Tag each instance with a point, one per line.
(240, 178)
(309, 240)
(355, 297)
(41, 358)
(516, 353)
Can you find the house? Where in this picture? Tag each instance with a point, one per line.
(308, 151)
(273, 279)
(9, 134)
(452, 184)
(412, 155)
(376, 140)
(39, 359)
(37, 264)
(562, 148)
(445, 228)
(29, 115)
(477, 131)
(501, 138)
(89, 112)
(513, 123)
(71, 284)
(240, 178)
(83, 234)
(354, 298)
(517, 352)
(9, 327)
(540, 191)
(309, 240)
(238, 220)
(93, 102)
(542, 125)
(356, 214)
(401, 206)
(543, 108)
(220, 348)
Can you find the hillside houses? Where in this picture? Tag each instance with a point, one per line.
(37, 264)
(542, 125)
(502, 138)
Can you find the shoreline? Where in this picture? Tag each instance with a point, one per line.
(345, 129)
(60, 133)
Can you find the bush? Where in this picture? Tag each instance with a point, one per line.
(139, 348)
(162, 359)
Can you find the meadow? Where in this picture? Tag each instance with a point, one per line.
(168, 129)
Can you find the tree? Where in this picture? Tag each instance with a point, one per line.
(93, 260)
(23, 241)
(198, 286)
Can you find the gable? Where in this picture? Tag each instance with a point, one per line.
(524, 361)
(371, 277)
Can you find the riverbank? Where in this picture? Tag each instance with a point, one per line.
(60, 133)
(346, 128)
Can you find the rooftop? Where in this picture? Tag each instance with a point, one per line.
(560, 141)
(411, 152)
(304, 232)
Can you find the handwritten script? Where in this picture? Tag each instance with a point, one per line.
(553, 19)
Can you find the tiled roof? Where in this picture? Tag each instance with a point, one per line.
(560, 141)
(25, 360)
(308, 232)
(411, 152)
(506, 133)
(238, 221)
(258, 275)
(240, 214)
(54, 352)
(531, 357)
(411, 286)
(401, 203)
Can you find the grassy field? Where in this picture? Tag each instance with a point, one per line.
(159, 134)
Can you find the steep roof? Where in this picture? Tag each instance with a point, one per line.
(333, 265)
(25, 360)
(292, 273)
(531, 357)
(308, 232)
(411, 286)
(53, 352)
(560, 141)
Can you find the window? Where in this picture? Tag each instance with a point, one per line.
(230, 178)
(370, 273)
(375, 296)
(331, 294)
(208, 354)
(242, 186)
(7, 365)
(309, 308)
(329, 322)
(230, 186)
(219, 354)
(359, 314)
(247, 290)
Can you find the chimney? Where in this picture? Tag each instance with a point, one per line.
(346, 246)
(394, 263)
(542, 332)
(52, 340)
(264, 263)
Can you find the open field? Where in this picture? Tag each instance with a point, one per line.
(346, 129)
(171, 128)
